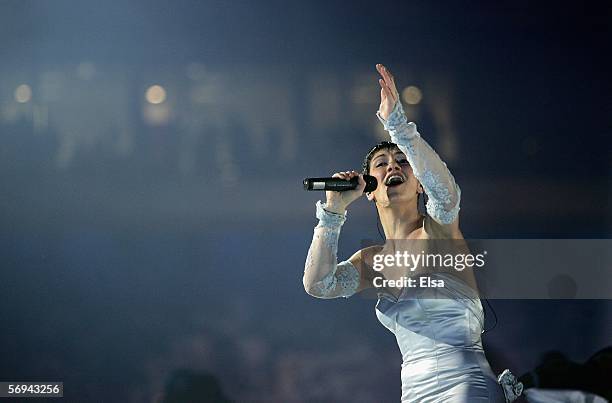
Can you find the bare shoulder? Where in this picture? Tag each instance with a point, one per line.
(362, 256)
(360, 260)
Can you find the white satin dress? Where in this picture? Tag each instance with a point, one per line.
(438, 333)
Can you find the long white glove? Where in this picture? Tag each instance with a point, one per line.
(439, 184)
(323, 276)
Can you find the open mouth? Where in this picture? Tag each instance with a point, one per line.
(394, 180)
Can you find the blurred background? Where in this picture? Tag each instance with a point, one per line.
(153, 222)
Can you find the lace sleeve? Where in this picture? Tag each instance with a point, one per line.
(444, 195)
(323, 276)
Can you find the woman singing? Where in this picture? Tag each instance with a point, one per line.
(438, 330)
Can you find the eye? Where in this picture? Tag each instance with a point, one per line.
(402, 161)
(380, 164)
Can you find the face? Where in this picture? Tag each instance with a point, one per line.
(396, 181)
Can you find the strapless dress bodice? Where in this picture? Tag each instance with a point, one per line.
(438, 331)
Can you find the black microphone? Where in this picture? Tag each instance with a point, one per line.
(340, 185)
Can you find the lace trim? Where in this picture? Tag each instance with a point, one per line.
(348, 278)
(438, 208)
(344, 275)
(327, 284)
(397, 124)
(327, 218)
(437, 191)
(511, 386)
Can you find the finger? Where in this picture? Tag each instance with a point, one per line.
(391, 76)
(387, 74)
(384, 86)
(388, 92)
(362, 182)
(392, 92)
(389, 79)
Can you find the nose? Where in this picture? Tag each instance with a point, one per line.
(393, 166)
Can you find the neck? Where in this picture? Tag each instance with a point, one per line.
(399, 221)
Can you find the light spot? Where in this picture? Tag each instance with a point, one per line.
(23, 93)
(156, 94)
(412, 95)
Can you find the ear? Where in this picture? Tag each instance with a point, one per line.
(420, 188)
(370, 196)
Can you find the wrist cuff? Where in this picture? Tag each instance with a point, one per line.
(327, 218)
(397, 124)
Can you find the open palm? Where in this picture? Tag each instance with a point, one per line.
(388, 91)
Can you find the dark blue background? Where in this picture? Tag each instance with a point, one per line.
(122, 263)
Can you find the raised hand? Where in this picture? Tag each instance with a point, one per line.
(388, 91)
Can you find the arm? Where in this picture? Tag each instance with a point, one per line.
(437, 181)
(323, 276)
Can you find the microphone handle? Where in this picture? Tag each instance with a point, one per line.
(338, 184)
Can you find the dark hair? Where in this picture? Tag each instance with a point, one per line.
(383, 145)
